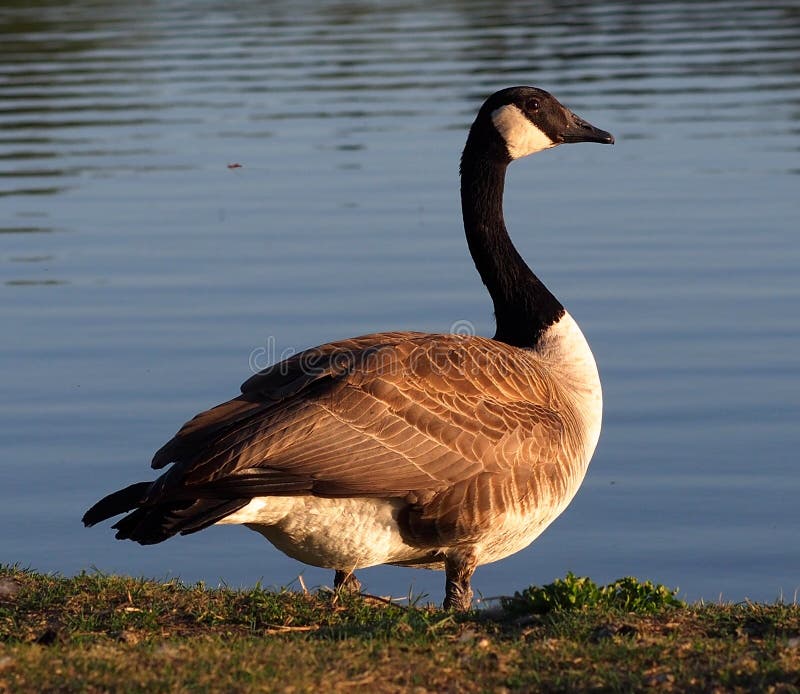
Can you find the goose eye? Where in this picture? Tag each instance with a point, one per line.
(532, 106)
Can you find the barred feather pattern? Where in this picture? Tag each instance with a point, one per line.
(468, 441)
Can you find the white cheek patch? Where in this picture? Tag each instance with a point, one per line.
(521, 136)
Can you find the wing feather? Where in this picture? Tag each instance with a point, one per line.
(457, 425)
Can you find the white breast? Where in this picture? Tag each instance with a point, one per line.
(572, 363)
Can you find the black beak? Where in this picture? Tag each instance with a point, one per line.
(578, 130)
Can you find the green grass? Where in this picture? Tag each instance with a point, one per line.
(579, 592)
(98, 633)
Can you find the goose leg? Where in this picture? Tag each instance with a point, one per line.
(459, 567)
(346, 580)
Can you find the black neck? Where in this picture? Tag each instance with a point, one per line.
(523, 306)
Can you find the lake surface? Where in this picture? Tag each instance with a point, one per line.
(141, 278)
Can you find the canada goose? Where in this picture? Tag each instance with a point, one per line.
(405, 448)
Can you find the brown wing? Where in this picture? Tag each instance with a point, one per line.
(450, 423)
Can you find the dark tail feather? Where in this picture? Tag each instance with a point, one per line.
(116, 503)
(211, 515)
(152, 524)
(155, 522)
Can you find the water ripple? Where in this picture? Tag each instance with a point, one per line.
(134, 264)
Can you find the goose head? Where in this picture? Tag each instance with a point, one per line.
(519, 121)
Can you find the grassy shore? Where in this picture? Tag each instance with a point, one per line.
(96, 633)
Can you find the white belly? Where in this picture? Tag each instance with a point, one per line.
(350, 534)
(345, 534)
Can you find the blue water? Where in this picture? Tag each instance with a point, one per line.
(141, 277)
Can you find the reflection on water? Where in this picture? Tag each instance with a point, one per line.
(677, 251)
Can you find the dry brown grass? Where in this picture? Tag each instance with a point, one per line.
(95, 633)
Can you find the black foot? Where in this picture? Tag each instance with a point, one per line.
(346, 580)
(459, 567)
